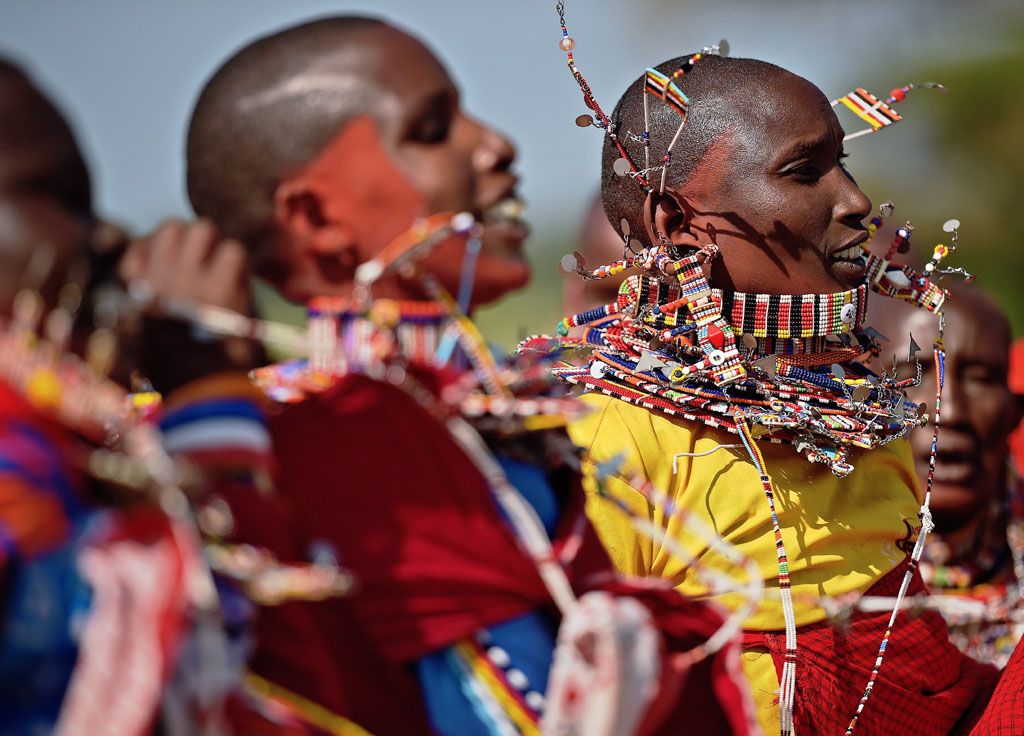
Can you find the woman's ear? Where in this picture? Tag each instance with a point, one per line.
(666, 219)
(301, 212)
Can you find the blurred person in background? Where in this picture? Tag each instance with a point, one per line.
(73, 572)
(977, 503)
(1016, 382)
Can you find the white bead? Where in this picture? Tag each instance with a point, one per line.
(535, 700)
(499, 656)
(848, 314)
(518, 679)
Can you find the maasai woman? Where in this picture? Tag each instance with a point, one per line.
(726, 367)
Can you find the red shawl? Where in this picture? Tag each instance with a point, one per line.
(925, 686)
(368, 471)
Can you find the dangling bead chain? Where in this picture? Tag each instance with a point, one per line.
(472, 341)
(926, 527)
(567, 44)
(787, 684)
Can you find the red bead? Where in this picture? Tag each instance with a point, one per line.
(898, 94)
(715, 336)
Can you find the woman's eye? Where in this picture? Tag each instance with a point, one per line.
(431, 129)
(805, 172)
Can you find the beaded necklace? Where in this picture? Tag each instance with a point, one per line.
(669, 343)
(359, 334)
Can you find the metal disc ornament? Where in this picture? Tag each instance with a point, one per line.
(584, 121)
(621, 166)
(624, 226)
(568, 263)
(861, 393)
(723, 47)
(950, 226)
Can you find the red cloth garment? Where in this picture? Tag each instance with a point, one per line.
(925, 686)
(368, 471)
(1004, 715)
(341, 672)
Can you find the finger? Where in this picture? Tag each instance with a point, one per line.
(133, 263)
(199, 240)
(163, 255)
(229, 276)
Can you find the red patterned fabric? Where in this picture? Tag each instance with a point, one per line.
(1004, 715)
(925, 686)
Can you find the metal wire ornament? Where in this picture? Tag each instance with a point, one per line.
(567, 44)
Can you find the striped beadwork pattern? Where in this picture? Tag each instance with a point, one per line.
(785, 316)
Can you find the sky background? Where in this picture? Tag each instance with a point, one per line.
(127, 73)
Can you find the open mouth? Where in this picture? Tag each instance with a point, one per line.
(850, 264)
(854, 251)
(503, 221)
(955, 468)
(508, 210)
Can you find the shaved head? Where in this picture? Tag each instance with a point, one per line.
(721, 91)
(271, 108)
(38, 152)
(45, 194)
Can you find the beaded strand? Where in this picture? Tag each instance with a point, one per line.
(926, 526)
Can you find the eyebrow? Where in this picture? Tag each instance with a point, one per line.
(441, 99)
(805, 148)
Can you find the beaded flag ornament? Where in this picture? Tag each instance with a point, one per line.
(878, 114)
(656, 84)
(775, 368)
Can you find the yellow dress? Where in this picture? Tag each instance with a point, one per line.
(841, 535)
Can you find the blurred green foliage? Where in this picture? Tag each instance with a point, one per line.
(979, 139)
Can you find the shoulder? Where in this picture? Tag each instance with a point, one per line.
(890, 466)
(612, 423)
